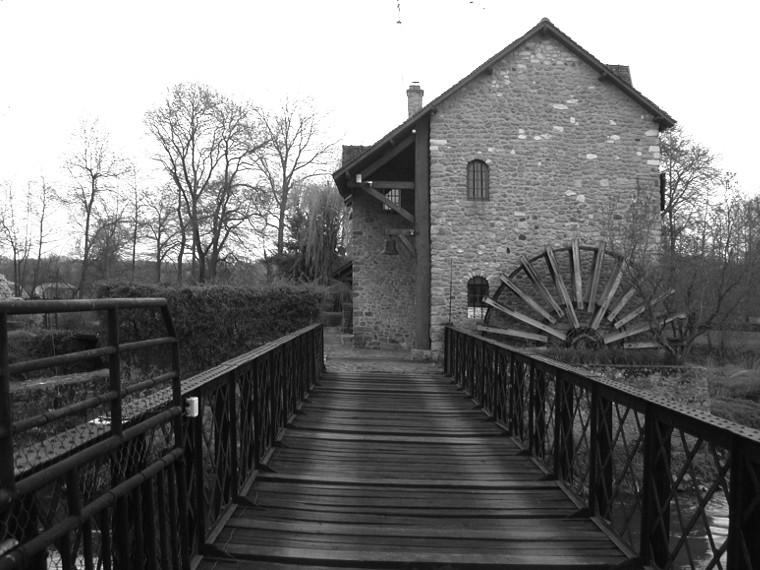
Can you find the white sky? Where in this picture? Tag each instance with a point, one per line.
(62, 61)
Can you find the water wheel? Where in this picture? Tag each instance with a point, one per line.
(575, 296)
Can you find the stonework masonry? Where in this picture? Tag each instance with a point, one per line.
(383, 284)
(567, 155)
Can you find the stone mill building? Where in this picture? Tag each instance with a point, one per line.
(536, 148)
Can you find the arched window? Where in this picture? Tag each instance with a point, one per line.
(477, 288)
(477, 180)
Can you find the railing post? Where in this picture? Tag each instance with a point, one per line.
(600, 475)
(121, 508)
(563, 427)
(182, 433)
(446, 351)
(655, 516)
(197, 491)
(743, 509)
(514, 388)
(537, 437)
(7, 478)
(234, 431)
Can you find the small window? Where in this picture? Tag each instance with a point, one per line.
(477, 288)
(393, 196)
(477, 180)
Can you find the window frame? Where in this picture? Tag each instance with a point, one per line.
(394, 195)
(478, 180)
(477, 288)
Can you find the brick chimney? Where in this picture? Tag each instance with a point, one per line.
(414, 96)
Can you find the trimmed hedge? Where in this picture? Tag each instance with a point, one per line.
(216, 323)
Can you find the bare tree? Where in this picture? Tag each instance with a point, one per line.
(15, 229)
(93, 167)
(207, 141)
(690, 179)
(162, 225)
(44, 195)
(703, 277)
(296, 153)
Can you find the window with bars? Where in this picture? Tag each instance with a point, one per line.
(394, 196)
(477, 180)
(477, 288)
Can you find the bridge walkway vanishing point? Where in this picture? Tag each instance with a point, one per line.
(401, 470)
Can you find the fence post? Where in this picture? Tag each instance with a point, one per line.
(600, 476)
(743, 509)
(655, 516)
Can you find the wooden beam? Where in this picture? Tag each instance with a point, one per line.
(575, 257)
(388, 156)
(559, 284)
(641, 328)
(514, 333)
(527, 299)
(422, 278)
(596, 273)
(384, 184)
(530, 271)
(607, 295)
(640, 309)
(399, 232)
(409, 244)
(641, 345)
(392, 205)
(620, 304)
(522, 318)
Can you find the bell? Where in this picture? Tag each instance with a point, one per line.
(390, 247)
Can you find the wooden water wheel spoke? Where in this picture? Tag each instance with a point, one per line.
(577, 276)
(530, 271)
(559, 284)
(582, 298)
(620, 304)
(514, 333)
(606, 298)
(596, 274)
(641, 308)
(527, 320)
(527, 299)
(662, 320)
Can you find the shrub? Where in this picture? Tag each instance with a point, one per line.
(216, 323)
(35, 343)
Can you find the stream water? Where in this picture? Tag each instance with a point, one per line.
(697, 547)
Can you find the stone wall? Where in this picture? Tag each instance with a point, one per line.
(567, 155)
(383, 302)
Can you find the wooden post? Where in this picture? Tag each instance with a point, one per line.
(655, 516)
(422, 233)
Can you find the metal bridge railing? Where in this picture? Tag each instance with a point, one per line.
(659, 477)
(122, 477)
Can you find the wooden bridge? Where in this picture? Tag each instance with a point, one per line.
(500, 460)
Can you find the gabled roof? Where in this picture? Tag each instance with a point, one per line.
(544, 27)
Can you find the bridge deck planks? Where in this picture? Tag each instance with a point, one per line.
(384, 471)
